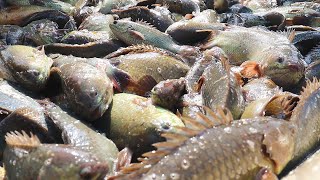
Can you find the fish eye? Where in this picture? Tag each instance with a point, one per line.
(115, 22)
(280, 59)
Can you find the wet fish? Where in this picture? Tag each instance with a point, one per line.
(167, 94)
(81, 136)
(141, 125)
(31, 69)
(87, 90)
(85, 36)
(23, 15)
(105, 6)
(234, 150)
(29, 120)
(190, 32)
(88, 50)
(26, 157)
(11, 35)
(149, 68)
(272, 51)
(183, 6)
(219, 88)
(159, 17)
(259, 89)
(136, 33)
(42, 32)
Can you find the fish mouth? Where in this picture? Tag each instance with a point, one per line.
(295, 67)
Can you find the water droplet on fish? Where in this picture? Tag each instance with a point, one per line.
(159, 70)
(193, 140)
(251, 145)
(201, 145)
(253, 130)
(185, 164)
(147, 166)
(227, 130)
(174, 176)
(153, 176)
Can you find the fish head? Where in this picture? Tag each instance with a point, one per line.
(89, 89)
(30, 68)
(122, 26)
(284, 65)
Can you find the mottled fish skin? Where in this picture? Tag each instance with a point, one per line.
(26, 158)
(81, 136)
(273, 51)
(235, 151)
(158, 17)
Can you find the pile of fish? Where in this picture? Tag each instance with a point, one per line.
(159, 89)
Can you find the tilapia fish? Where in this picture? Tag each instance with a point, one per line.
(26, 158)
(232, 151)
(273, 51)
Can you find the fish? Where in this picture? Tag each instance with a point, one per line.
(159, 17)
(234, 150)
(82, 136)
(26, 157)
(87, 90)
(141, 125)
(183, 6)
(31, 69)
(272, 51)
(88, 50)
(147, 67)
(219, 88)
(136, 33)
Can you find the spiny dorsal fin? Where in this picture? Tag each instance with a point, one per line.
(142, 22)
(174, 140)
(22, 140)
(290, 34)
(309, 89)
(139, 48)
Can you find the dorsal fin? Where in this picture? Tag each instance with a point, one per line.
(142, 22)
(290, 34)
(139, 48)
(174, 140)
(22, 140)
(310, 87)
